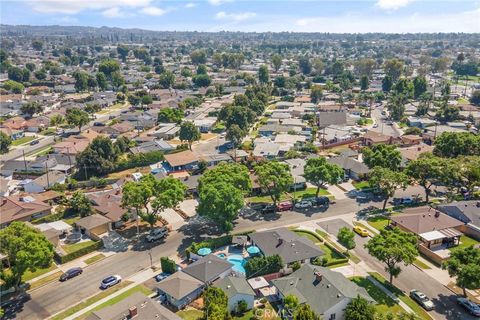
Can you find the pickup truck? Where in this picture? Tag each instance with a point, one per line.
(157, 234)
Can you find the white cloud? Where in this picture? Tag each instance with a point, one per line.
(454, 22)
(190, 5)
(67, 20)
(392, 4)
(240, 16)
(112, 13)
(76, 6)
(153, 11)
(218, 2)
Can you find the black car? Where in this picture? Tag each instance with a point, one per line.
(322, 201)
(70, 273)
(34, 142)
(268, 209)
(257, 206)
(99, 124)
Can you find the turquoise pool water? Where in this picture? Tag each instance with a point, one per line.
(222, 255)
(238, 262)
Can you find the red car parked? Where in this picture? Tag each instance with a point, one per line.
(284, 206)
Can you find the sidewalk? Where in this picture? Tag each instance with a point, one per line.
(136, 279)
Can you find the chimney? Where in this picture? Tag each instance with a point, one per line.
(437, 214)
(132, 312)
(419, 148)
(318, 276)
(280, 242)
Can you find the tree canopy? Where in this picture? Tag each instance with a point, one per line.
(5, 142)
(387, 182)
(393, 247)
(454, 144)
(382, 155)
(360, 309)
(427, 170)
(189, 132)
(77, 117)
(464, 265)
(274, 178)
(319, 172)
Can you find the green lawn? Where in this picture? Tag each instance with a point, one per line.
(465, 241)
(82, 305)
(71, 220)
(384, 302)
(27, 276)
(120, 297)
(191, 314)
(94, 259)
(69, 248)
(378, 222)
(50, 278)
(421, 264)
(308, 235)
(48, 132)
(402, 296)
(361, 185)
(22, 140)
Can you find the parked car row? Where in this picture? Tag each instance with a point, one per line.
(312, 202)
(265, 208)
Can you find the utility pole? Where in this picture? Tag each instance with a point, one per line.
(46, 169)
(24, 160)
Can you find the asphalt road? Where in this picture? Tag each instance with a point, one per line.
(28, 149)
(392, 130)
(410, 277)
(57, 296)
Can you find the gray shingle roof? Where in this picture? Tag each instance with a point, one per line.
(234, 285)
(208, 268)
(465, 211)
(320, 294)
(286, 244)
(179, 284)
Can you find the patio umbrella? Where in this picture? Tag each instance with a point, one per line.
(204, 251)
(253, 250)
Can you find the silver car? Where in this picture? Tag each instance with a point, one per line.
(422, 299)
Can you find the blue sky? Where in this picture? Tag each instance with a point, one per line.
(241, 15)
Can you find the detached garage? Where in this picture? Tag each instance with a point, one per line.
(94, 225)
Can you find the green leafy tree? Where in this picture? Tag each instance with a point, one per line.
(198, 57)
(220, 201)
(202, 80)
(136, 197)
(468, 171)
(117, 80)
(263, 75)
(235, 134)
(236, 175)
(276, 62)
(40, 74)
(26, 248)
(189, 132)
(305, 65)
(5, 142)
(275, 178)
(319, 173)
(360, 309)
(15, 74)
(123, 51)
(30, 108)
(305, 312)
(464, 265)
(57, 120)
(364, 82)
(427, 170)
(382, 155)
(346, 237)
(387, 182)
(290, 302)
(13, 86)
(77, 117)
(99, 157)
(108, 67)
(447, 112)
(387, 83)
(393, 68)
(37, 45)
(168, 265)
(80, 204)
(101, 80)
(166, 79)
(170, 115)
(454, 144)
(215, 303)
(81, 81)
(259, 266)
(167, 193)
(419, 86)
(393, 247)
(316, 94)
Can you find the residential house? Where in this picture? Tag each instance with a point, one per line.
(327, 292)
(285, 243)
(410, 140)
(15, 123)
(45, 181)
(466, 211)
(116, 129)
(297, 167)
(205, 124)
(70, 147)
(215, 159)
(327, 118)
(12, 133)
(237, 289)
(353, 168)
(37, 124)
(93, 225)
(109, 204)
(149, 146)
(413, 152)
(21, 208)
(184, 160)
(372, 137)
(179, 289)
(135, 306)
(266, 150)
(167, 131)
(209, 268)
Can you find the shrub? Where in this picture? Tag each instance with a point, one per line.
(242, 307)
(168, 265)
(295, 265)
(259, 266)
(140, 160)
(76, 254)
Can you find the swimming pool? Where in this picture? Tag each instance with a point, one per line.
(238, 262)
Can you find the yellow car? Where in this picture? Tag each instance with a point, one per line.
(361, 231)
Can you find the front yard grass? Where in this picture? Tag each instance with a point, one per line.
(90, 301)
(384, 302)
(402, 296)
(422, 265)
(22, 140)
(94, 259)
(27, 276)
(308, 235)
(191, 314)
(120, 297)
(361, 185)
(69, 248)
(378, 222)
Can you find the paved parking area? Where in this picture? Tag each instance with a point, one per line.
(173, 218)
(189, 206)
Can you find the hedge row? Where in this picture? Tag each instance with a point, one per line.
(213, 243)
(140, 160)
(81, 252)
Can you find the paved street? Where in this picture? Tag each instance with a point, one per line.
(391, 130)
(55, 297)
(28, 149)
(410, 277)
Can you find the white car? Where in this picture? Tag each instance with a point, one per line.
(375, 125)
(303, 205)
(157, 234)
(110, 281)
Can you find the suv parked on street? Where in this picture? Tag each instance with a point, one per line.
(70, 273)
(422, 299)
(284, 206)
